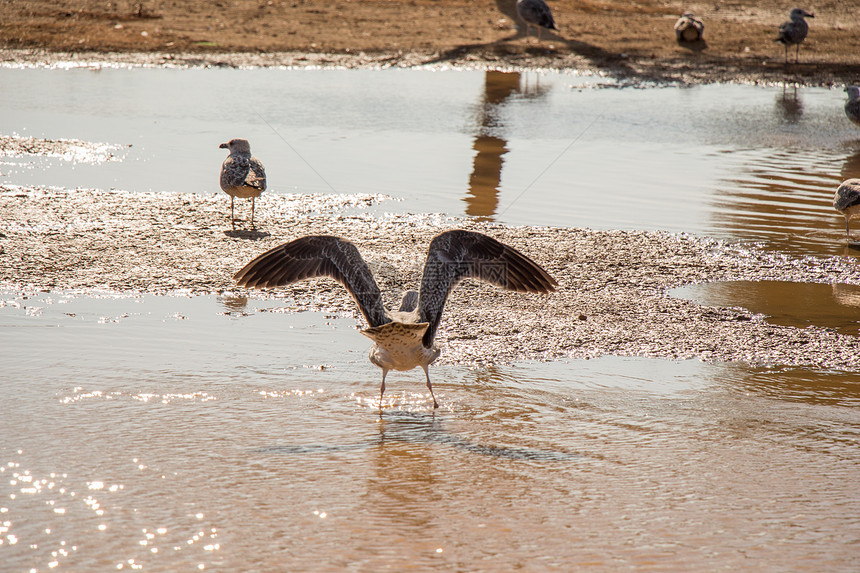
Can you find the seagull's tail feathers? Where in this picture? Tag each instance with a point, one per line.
(397, 333)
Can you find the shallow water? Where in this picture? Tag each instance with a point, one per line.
(171, 433)
(738, 162)
(835, 306)
(167, 433)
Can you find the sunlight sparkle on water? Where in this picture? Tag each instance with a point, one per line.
(603, 453)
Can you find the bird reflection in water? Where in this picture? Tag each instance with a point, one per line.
(789, 103)
(233, 304)
(851, 165)
(482, 199)
(846, 294)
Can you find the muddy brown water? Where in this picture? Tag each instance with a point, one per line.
(225, 433)
(163, 433)
(835, 306)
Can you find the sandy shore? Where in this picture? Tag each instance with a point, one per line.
(633, 42)
(612, 297)
(632, 73)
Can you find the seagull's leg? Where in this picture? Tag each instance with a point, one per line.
(539, 31)
(232, 218)
(848, 228)
(252, 211)
(796, 52)
(429, 385)
(382, 388)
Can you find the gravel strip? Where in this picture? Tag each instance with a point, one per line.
(71, 150)
(611, 299)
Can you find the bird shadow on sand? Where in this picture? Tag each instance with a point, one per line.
(247, 234)
(614, 62)
(696, 46)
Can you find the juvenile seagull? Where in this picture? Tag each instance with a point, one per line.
(536, 12)
(852, 106)
(794, 31)
(403, 339)
(242, 175)
(688, 28)
(847, 202)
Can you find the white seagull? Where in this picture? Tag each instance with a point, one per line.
(794, 31)
(242, 175)
(403, 339)
(536, 12)
(847, 202)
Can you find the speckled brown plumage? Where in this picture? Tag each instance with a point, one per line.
(688, 28)
(242, 175)
(537, 13)
(847, 201)
(794, 31)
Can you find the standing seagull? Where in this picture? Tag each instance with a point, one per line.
(536, 12)
(688, 28)
(847, 202)
(242, 175)
(403, 339)
(794, 31)
(852, 106)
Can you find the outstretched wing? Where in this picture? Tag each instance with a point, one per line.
(318, 256)
(456, 255)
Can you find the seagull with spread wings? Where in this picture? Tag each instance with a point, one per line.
(403, 339)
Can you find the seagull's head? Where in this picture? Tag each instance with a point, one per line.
(853, 92)
(800, 13)
(237, 146)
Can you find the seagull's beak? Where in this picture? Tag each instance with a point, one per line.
(810, 14)
(224, 146)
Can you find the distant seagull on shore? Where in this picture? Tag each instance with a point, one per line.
(688, 28)
(852, 106)
(847, 202)
(793, 32)
(536, 12)
(403, 339)
(242, 175)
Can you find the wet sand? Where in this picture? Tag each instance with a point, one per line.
(628, 73)
(612, 297)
